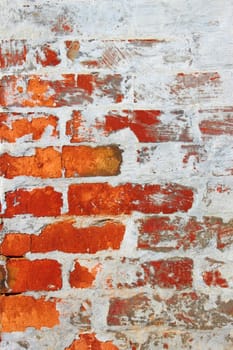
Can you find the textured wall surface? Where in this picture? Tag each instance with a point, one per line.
(116, 165)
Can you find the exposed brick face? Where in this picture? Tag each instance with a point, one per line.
(116, 165)
(39, 91)
(99, 199)
(30, 125)
(45, 163)
(81, 276)
(24, 275)
(20, 312)
(75, 161)
(88, 161)
(15, 244)
(170, 273)
(89, 341)
(38, 202)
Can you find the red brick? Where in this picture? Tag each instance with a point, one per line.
(73, 127)
(12, 53)
(65, 237)
(38, 202)
(194, 80)
(110, 54)
(104, 199)
(82, 277)
(35, 90)
(214, 278)
(147, 126)
(19, 312)
(15, 244)
(24, 275)
(62, 24)
(46, 163)
(196, 311)
(15, 125)
(90, 161)
(163, 234)
(217, 121)
(182, 310)
(88, 341)
(224, 234)
(173, 273)
(130, 311)
(217, 127)
(48, 56)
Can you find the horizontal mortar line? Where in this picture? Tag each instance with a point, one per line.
(12, 147)
(49, 73)
(118, 107)
(112, 180)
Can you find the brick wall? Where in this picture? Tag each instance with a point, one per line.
(116, 166)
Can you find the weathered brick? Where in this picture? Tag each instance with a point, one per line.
(82, 277)
(19, 312)
(35, 90)
(114, 54)
(89, 341)
(72, 49)
(146, 125)
(194, 80)
(186, 310)
(38, 275)
(192, 311)
(102, 198)
(214, 278)
(149, 125)
(12, 53)
(170, 273)
(163, 234)
(136, 310)
(3, 277)
(81, 316)
(46, 163)
(182, 89)
(30, 125)
(224, 235)
(216, 121)
(90, 161)
(38, 202)
(47, 56)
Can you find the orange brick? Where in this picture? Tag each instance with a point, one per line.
(82, 277)
(46, 163)
(15, 244)
(89, 161)
(35, 90)
(38, 202)
(24, 275)
(16, 125)
(89, 341)
(19, 312)
(104, 199)
(65, 237)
